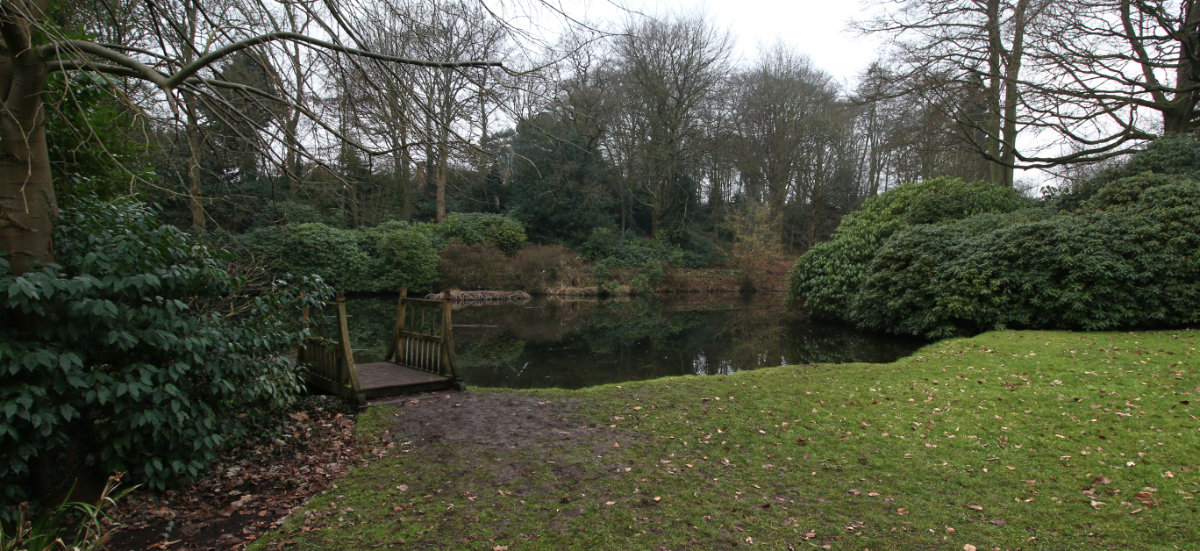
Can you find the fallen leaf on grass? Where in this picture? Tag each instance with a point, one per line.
(975, 507)
(997, 522)
(969, 547)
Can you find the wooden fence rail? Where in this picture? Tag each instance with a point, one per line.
(421, 340)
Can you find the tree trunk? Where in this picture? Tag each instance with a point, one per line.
(28, 205)
(441, 184)
(1008, 151)
(1178, 116)
(992, 128)
(194, 189)
(403, 181)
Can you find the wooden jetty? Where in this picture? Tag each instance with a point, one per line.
(420, 355)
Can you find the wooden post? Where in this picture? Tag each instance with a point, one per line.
(449, 360)
(347, 374)
(395, 350)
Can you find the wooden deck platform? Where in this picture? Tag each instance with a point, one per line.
(381, 379)
(420, 355)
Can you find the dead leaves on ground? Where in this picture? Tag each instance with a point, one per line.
(243, 497)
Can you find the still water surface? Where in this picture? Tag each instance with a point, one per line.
(578, 343)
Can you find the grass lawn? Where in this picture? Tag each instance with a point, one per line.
(1009, 440)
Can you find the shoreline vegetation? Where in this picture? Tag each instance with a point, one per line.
(1009, 439)
(697, 281)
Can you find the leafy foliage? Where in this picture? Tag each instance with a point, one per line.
(756, 243)
(829, 275)
(139, 352)
(505, 234)
(86, 526)
(1121, 254)
(87, 135)
(402, 255)
(627, 250)
(1126, 259)
(333, 254)
(561, 185)
(1178, 156)
(474, 267)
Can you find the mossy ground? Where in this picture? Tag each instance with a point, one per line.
(1008, 440)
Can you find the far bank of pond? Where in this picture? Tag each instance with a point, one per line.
(565, 343)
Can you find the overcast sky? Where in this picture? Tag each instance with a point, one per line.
(816, 28)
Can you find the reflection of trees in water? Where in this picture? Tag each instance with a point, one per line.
(572, 344)
(541, 320)
(829, 343)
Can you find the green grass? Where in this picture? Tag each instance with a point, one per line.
(1009, 440)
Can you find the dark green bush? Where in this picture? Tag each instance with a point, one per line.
(827, 278)
(1127, 258)
(630, 251)
(1178, 156)
(618, 278)
(313, 248)
(401, 255)
(287, 212)
(138, 351)
(505, 234)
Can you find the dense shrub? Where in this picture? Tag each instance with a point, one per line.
(544, 267)
(629, 251)
(1178, 156)
(534, 268)
(401, 255)
(827, 278)
(1126, 258)
(313, 248)
(137, 352)
(505, 234)
(287, 212)
(474, 267)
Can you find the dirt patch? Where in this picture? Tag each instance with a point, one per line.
(455, 435)
(488, 418)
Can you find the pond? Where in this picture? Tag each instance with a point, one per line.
(564, 343)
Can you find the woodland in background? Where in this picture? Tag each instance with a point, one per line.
(398, 143)
(653, 131)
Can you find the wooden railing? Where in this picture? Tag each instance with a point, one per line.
(331, 361)
(422, 338)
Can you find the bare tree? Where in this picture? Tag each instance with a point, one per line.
(972, 50)
(32, 47)
(1115, 72)
(451, 99)
(667, 71)
(783, 113)
(914, 133)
